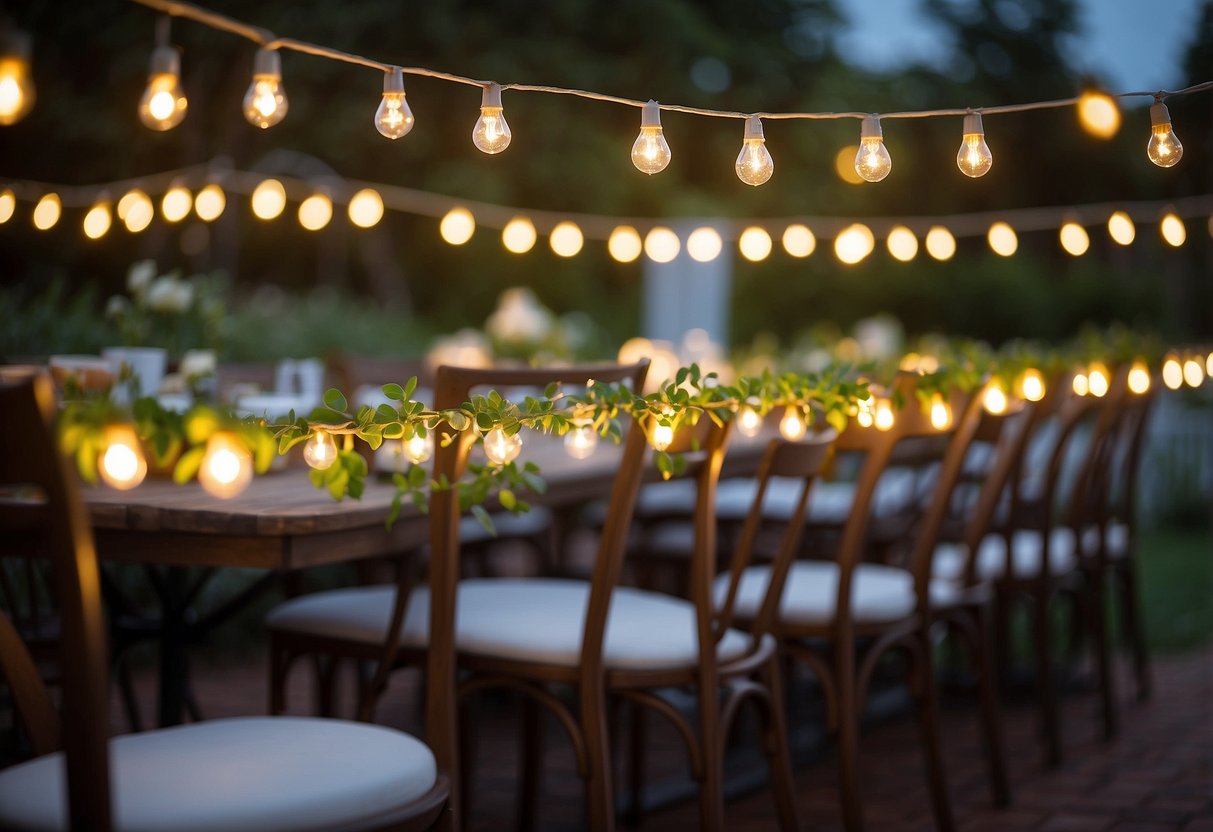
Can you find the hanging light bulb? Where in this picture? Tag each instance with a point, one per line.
(1172, 372)
(16, 84)
(457, 226)
(519, 235)
(1173, 230)
(754, 163)
(1121, 228)
(1002, 239)
(902, 243)
(792, 426)
(265, 101)
(974, 158)
(863, 411)
(1074, 239)
(501, 447)
(940, 243)
(47, 211)
(854, 243)
(98, 219)
(883, 416)
(994, 399)
(661, 244)
(704, 244)
(491, 133)
(625, 244)
(365, 208)
(176, 204)
(316, 211)
(1098, 113)
(1030, 386)
(320, 450)
(1194, 372)
(418, 448)
(163, 104)
(748, 420)
(754, 244)
(8, 204)
(941, 413)
(1098, 380)
(566, 239)
(393, 119)
(227, 466)
(1163, 148)
(1139, 378)
(581, 440)
(661, 437)
(798, 240)
(873, 161)
(268, 199)
(651, 152)
(122, 464)
(1080, 385)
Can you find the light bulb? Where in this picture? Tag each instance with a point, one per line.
(863, 411)
(704, 244)
(1173, 230)
(994, 399)
(1172, 372)
(419, 448)
(1098, 380)
(1074, 239)
(315, 212)
(163, 104)
(974, 157)
(792, 426)
(580, 441)
(854, 243)
(1030, 386)
(8, 204)
(754, 162)
(941, 413)
(1163, 148)
(873, 161)
(491, 133)
(1121, 228)
(366, 208)
(47, 211)
(1002, 239)
(1098, 114)
(268, 199)
(519, 235)
(883, 417)
(457, 226)
(176, 204)
(16, 84)
(661, 437)
(625, 244)
(500, 447)
(1209, 364)
(661, 244)
(393, 119)
(748, 420)
(122, 464)
(1080, 385)
(320, 450)
(902, 243)
(136, 211)
(566, 239)
(209, 203)
(754, 244)
(798, 240)
(940, 243)
(227, 466)
(265, 101)
(651, 152)
(98, 219)
(1194, 372)
(1139, 378)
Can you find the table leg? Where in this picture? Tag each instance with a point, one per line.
(174, 656)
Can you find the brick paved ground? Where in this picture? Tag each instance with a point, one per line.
(1157, 776)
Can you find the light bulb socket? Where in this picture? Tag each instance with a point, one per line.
(973, 125)
(165, 61)
(753, 129)
(491, 96)
(393, 81)
(267, 62)
(870, 128)
(650, 116)
(1159, 114)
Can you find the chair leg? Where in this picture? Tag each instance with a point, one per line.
(711, 747)
(849, 709)
(467, 759)
(1097, 620)
(928, 721)
(325, 669)
(600, 795)
(991, 710)
(637, 758)
(776, 746)
(1046, 684)
(130, 702)
(279, 665)
(1135, 625)
(531, 762)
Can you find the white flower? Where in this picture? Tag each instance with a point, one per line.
(879, 337)
(198, 363)
(168, 294)
(466, 348)
(519, 317)
(140, 277)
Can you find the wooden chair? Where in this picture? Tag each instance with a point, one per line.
(245, 773)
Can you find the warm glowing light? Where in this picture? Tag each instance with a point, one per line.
(566, 239)
(974, 158)
(491, 133)
(1209, 365)
(163, 104)
(1194, 372)
(366, 208)
(1121, 228)
(854, 243)
(1139, 378)
(704, 244)
(209, 203)
(902, 243)
(1164, 148)
(661, 436)
(941, 413)
(749, 423)
(458, 226)
(883, 416)
(265, 101)
(269, 199)
(844, 165)
(500, 447)
(47, 212)
(519, 235)
(1080, 385)
(136, 211)
(661, 244)
(418, 448)
(320, 450)
(624, 244)
(1003, 239)
(940, 243)
(755, 244)
(994, 399)
(227, 466)
(122, 464)
(98, 220)
(1098, 114)
(1098, 379)
(1173, 230)
(1074, 239)
(176, 203)
(8, 204)
(16, 84)
(799, 241)
(1172, 373)
(393, 117)
(754, 163)
(792, 426)
(651, 152)
(1030, 386)
(872, 161)
(315, 212)
(580, 441)
(864, 409)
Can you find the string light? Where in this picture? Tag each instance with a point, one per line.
(661, 245)
(661, 436)
(974, 158)
(47, 211)
(651, 152)
(418, 448)
(941, 413)
(98, 220)
(566, 239)
(268, 199)
(1172, 229)
(749, 423)
(902, 243)
(872, 161)
(209, 203)
(580, 441)
(1164, 148)
(883, 416)
(366, 208)
(136, 211)
(994, 398)
(177, 201)
(1121, 228)
(122, 464)
(798, 240)
(316, 211)
(8, 205)
(1098, 114)
(17, 93)
(1030, 386)
(854, 243)
(393, 117)
(320, 450)
(1138, 379)
(491, 134)
(227, 466)
(940, 243)
(265, 101)
(704, 244)
(519, 235)
(1098, 380)
(1172, 372)
(458, 226)
(1209, 364)
(163, 104)
(1080, 385)
(754, 163)
(1074, 239)
(1194, 372)
(625, 244)
(792, 426)
(1002, 239)
(502, 448)
(755, 244)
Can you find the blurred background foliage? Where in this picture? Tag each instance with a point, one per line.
(390, 289)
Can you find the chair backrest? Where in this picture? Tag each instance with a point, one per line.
(453, 387)
(40, 505)
(1114, 479)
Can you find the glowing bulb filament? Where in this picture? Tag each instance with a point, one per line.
(792, 426)
(393, 119)
(320, 451)
(1163, 148)
(1139, 378)
(974, 158)
(122, 463)
(265, 101)
(163, 104)
(491, 133)
(754, 163)
(16, 84)
(501, 448)
(748, 421)
(227, 466)
(651, 153)
(941, 413)
(873, 161)
(994, 400)
(581, 441)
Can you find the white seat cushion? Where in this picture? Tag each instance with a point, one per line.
(879, 594)
(1027, 551)
(1116, 539)
(252, 773)
(527, 619)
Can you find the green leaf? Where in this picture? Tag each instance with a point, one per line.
(507, 498)
(385, 414)
(396, 393)
(393, 431)
(409, 387)
(479, 512)
(334, 399)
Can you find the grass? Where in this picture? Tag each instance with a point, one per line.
(1177, 588)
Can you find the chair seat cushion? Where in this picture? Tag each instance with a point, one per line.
(1116, 540)
(879, 594)
(249, 773)
(525, 619)
(1027, 553)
